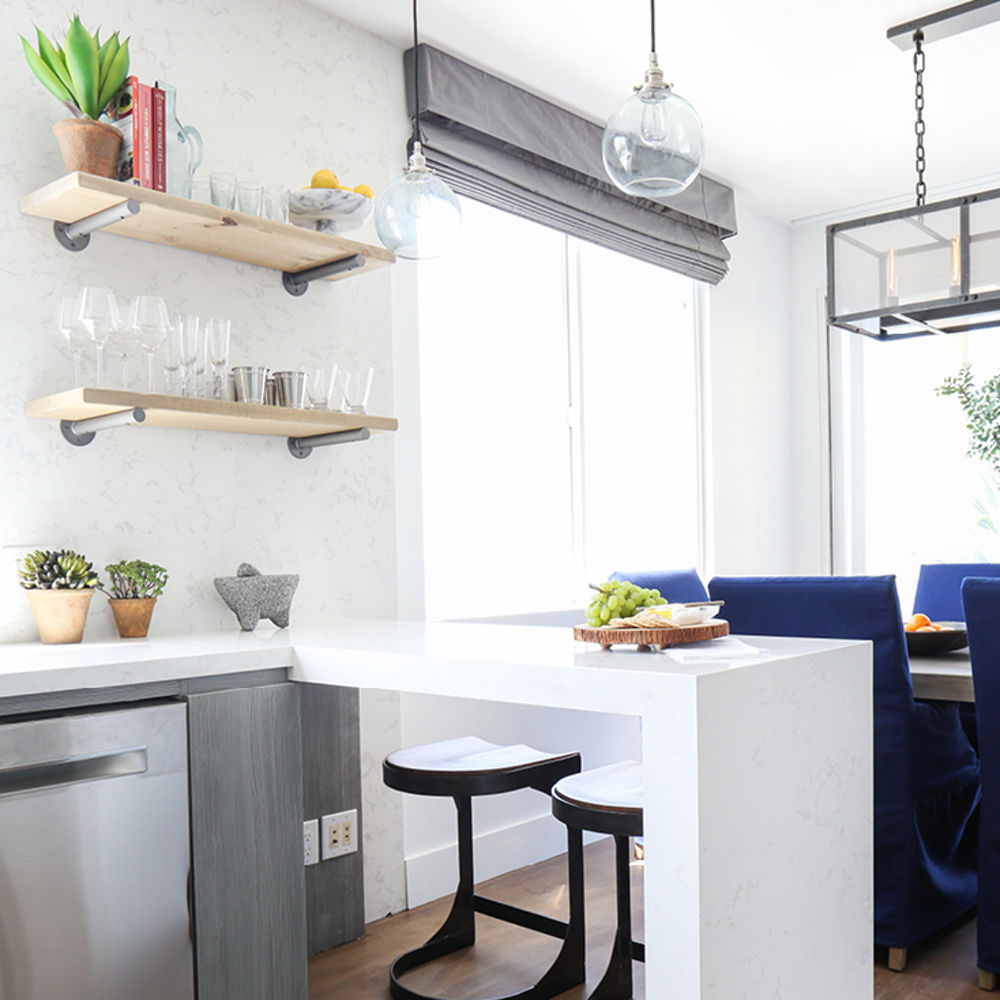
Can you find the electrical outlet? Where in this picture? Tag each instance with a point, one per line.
(339, 834)
(348, 831)
(310, 841)
(330, 830)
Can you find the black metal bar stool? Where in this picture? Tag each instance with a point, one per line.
(463, 768)
(609, 800)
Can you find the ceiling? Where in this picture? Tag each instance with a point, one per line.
(807, 107)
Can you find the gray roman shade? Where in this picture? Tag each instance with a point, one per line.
(501, 145)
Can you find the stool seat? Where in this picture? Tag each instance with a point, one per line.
(616, 787)
(471, 766)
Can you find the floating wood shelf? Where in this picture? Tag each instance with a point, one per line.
(303, 427)
(193, 225)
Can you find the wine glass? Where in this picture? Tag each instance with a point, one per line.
(217, 333)
(123, 342)
(76, 337)
(100, 316)
(150, 320)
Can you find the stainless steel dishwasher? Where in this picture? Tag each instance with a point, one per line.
(94, 856)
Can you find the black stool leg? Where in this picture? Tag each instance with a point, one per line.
(617, 981)
(459, 929)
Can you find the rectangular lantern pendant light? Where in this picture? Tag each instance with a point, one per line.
(930, 269)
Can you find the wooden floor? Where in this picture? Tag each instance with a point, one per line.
(506, 958)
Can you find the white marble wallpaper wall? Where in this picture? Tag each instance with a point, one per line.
(278, 90)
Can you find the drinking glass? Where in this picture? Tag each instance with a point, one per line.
(76, 337)
(201, 191)
(249, 197)
(223, 189)
(217, 336)
(171, 352)
(276, 203)
(100, 316)
(320, 385)
(150, 320)
(123, 342)
(355, 385)
(187, 330)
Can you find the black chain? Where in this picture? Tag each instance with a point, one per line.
(919, 127)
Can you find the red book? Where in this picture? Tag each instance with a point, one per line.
(159, 140)
(144, 148)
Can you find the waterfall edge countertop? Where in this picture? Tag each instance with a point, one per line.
(757, 778)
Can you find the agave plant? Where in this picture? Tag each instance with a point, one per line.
(61, 570)
(134, 579)
(86, 74)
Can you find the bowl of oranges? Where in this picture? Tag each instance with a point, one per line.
(926, 638)
(327, 206)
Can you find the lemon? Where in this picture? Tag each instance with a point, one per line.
(365, 190)
(324, 179)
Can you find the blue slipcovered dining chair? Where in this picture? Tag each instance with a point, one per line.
(981, 598)
(680, 586)
(939, 588)
(926, 772)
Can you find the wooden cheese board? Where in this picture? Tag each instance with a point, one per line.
(647, 638)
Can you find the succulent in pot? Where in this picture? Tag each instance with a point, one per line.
(134, 588)
(86, 75)
(60, 585)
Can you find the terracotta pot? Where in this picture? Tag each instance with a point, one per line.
(132, 615)
(60, 614)
(89, 146)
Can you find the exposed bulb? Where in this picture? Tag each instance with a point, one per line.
(417, 215)
(654, 143)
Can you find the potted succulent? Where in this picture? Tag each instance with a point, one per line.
(60, 585)
(85, 74)
(135, 587)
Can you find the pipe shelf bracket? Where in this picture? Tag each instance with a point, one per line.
(297, 282)
(301, 447)
(82, 432)
(76, 235)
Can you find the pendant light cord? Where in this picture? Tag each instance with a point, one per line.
(652, 26)
(417, 135)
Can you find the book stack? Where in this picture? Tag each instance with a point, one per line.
(138, 113)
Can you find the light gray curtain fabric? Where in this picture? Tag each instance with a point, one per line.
(502, 145)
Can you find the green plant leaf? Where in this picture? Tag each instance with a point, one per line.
(48, 79)
(84, 67)
(54, 59)
(117, 73)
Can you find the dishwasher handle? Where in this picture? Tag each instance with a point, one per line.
(113, 764)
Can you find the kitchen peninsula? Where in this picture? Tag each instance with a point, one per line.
(757, 780)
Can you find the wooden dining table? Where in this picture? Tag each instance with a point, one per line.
(945, 677)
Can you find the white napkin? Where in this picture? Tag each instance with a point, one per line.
(726, 647)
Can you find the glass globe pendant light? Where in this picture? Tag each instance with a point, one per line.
(654, 143)
(417, 215)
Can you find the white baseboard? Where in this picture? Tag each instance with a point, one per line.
(435, 873)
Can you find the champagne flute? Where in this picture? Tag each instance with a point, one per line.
(74, 334)
(150, 320)
(100, 316)
(217, 339)
(187, 330)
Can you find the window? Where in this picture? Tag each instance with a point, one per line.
(559, 418)
(917, 497)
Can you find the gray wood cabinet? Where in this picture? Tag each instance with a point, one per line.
(246, 843)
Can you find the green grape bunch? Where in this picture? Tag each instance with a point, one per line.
(619, 599)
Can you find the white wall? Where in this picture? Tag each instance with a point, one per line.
(277, 91)
(752, 401)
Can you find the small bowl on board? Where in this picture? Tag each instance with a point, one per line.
(935, 643)
(329, 210)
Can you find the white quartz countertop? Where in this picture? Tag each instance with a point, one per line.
(529, 664)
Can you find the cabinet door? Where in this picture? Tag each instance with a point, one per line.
(246, 844)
